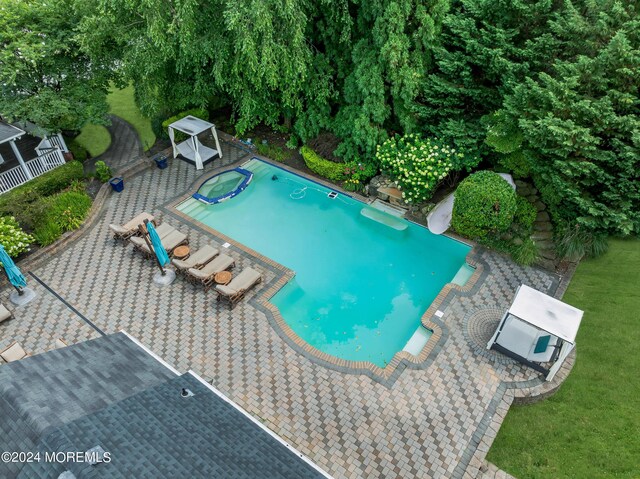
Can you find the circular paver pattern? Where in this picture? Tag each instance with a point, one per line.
(479, 326)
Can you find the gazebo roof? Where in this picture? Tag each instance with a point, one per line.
(9, 132)
(545, 312)
(191, 125)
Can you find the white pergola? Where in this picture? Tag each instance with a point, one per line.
(191, 149)
(537, 329)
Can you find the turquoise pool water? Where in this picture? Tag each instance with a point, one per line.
(362, 282)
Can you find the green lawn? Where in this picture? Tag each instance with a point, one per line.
(122, 104)
(95, 139)
(591, 427)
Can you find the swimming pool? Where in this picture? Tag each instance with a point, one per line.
(363, 278)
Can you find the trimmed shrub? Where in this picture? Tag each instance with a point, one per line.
(417, 165)
(484, 204)
(525, 214)
(63, 212)
(179, 136)
(52, 182)
(103, 172)
(12, 238)
(327, 169)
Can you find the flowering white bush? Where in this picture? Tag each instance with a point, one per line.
(14, 240)
(417, 165)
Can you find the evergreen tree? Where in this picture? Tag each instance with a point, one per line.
(485, 50)
(579, 122)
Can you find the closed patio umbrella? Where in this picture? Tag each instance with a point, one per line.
(165, 276)
(23, 294)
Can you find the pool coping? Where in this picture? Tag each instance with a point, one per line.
(401, 359)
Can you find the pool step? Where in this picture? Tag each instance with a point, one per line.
(384, 218)
(388, 208)
(417, 341)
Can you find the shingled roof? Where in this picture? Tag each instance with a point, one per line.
(110, 392)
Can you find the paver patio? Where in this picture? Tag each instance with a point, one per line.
(436, 419)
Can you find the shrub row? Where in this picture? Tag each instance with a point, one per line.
(14, 201)
(60, 213)
(325, 168)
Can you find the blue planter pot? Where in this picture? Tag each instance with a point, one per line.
(161, 162)
(117, 184)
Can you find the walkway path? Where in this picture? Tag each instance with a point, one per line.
(125, 146)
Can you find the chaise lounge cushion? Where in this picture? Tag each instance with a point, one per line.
(4, 313)
(221, 263)
(164, 230)
(131, 224)
(247, 278)
(13, 353)
(200, 257)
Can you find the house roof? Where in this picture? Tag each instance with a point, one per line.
(191, 125)
(139, 416)
(9, 132)
(545, 312)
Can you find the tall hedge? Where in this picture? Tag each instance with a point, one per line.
(484, 204)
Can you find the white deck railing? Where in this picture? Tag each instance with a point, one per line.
(50, 142)
(17, 176)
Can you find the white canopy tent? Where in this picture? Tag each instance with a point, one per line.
(191, 149)
(537, 329)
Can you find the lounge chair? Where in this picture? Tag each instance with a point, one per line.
(163, 230)
(170, 237)
(13, 352)
(236, 289)
(61, 343)
(207, 273)
(130, 228)
(4, 313)
(196, 260)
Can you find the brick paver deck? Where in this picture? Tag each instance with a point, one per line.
(436, 419)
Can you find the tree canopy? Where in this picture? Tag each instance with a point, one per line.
(45, 77)
(541, 88)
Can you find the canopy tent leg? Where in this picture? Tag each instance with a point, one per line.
(172, 135)
(565, 350)
(196, 152)
(215, 137)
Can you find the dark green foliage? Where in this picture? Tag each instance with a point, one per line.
(525, 253)
(484, 204)
(579, 118)
(574, 242)
(103, 172)
(525, 215)
(325, 168)
(60, 213)
(274, 152)
(45, 77)
(484, 51)
(78, 151)
(14, 202)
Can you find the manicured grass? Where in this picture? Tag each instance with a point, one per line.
(122, 104)
(591, 427)
(95, 139)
